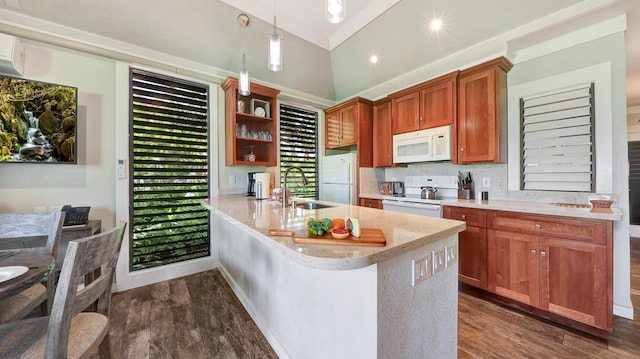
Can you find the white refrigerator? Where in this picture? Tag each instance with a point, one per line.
(339, 178)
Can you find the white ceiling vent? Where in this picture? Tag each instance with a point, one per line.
(11, 55)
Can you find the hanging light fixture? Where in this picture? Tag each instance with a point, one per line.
(335, 10)
(275, 49)
(244, 86)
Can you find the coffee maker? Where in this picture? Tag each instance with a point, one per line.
(252, 184)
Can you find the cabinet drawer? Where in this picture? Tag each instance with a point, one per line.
(473, 216)
(371, 203)
(585, 230)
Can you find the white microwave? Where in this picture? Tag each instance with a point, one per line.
(432, 144)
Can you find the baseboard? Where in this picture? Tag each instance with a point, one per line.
(624, 312)
(271, 337)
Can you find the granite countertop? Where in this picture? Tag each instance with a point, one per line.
(403, 232)
(610, 214)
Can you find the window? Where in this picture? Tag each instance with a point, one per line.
(558, 141)
(299, 147)
(169, 142)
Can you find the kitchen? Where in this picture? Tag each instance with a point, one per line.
(570, 57)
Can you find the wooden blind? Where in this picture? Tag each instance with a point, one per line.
(169, 142)
(558, 141)
(299, 147)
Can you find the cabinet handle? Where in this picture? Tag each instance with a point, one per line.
(461, 149)
(543, 253)
(417, 120)
(464, 216)
(421, 119)
(538, 226)
(533, 251)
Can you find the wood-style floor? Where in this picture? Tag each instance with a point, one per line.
(198, 316)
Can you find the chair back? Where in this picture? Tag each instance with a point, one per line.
(18, 230)
(84, 256)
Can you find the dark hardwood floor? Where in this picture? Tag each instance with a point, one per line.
(198, 316)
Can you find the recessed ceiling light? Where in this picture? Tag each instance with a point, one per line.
(373, 59)
(436, 25)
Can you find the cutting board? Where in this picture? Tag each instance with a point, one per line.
(372, 237)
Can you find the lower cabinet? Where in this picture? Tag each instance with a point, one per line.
(371, 203)
(560, 265)
(472, 245)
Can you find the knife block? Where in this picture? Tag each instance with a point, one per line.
(465, 193)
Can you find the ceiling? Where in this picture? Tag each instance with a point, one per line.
(322, 61)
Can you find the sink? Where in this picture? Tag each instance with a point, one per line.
(313, 205)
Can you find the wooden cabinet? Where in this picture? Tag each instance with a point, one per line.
(382, 135)
(426, 105)
(472, 245)
(561, 265)
(371, 203)
(251, 135)
(350, 125)
(482, 113)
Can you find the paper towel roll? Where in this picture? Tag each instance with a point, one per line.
(262, 185)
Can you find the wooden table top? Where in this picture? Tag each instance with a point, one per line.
(40, 266)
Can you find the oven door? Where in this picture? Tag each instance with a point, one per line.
(423, 209)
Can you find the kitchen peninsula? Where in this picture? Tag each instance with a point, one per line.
(336, 301)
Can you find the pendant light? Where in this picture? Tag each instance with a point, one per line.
(244, 86)
(335, 10)
(275, 49)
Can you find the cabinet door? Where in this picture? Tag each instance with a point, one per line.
(513, 266)
(437, 105)
(478, 132)
(406, 113)
(348, 126)
(332, 129)
(472, 256)
(573, 277)
(382, 137)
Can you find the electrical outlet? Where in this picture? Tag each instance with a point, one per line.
(486, 182)
(421, 269)
(451, 253)
(232, 179)
(439, 262)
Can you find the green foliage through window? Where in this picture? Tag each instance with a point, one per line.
(169, 164)
(299, 147)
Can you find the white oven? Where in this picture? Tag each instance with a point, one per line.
(432, 144)
(413, 202)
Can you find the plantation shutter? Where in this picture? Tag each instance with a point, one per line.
(558, 141)
(299, 147)
(169, 142)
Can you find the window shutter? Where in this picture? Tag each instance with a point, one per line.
(169, 170)
(558, 141)
(299, 147)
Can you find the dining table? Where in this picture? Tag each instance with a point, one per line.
(20, 269)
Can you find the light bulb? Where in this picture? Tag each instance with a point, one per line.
(244, 87)
(335, 10)
(275, 49)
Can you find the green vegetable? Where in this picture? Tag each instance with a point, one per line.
(317, 227)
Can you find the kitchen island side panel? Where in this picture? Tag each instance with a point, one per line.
(418, 321)
(302, 311)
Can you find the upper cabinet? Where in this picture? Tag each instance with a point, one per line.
(349, 125)
(426, 105)
(250, 125)
(482, 113)
(382, 146)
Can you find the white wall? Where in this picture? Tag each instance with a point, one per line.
(90, 182)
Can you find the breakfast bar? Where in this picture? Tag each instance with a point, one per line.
(342, 301)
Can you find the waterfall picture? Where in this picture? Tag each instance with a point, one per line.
(37, 121)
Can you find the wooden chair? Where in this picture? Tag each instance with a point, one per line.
(69, 332)
(24, 230)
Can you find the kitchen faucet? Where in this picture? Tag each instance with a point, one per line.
(285, 199)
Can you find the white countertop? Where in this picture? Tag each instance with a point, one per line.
(403, 232)
(610, 214)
